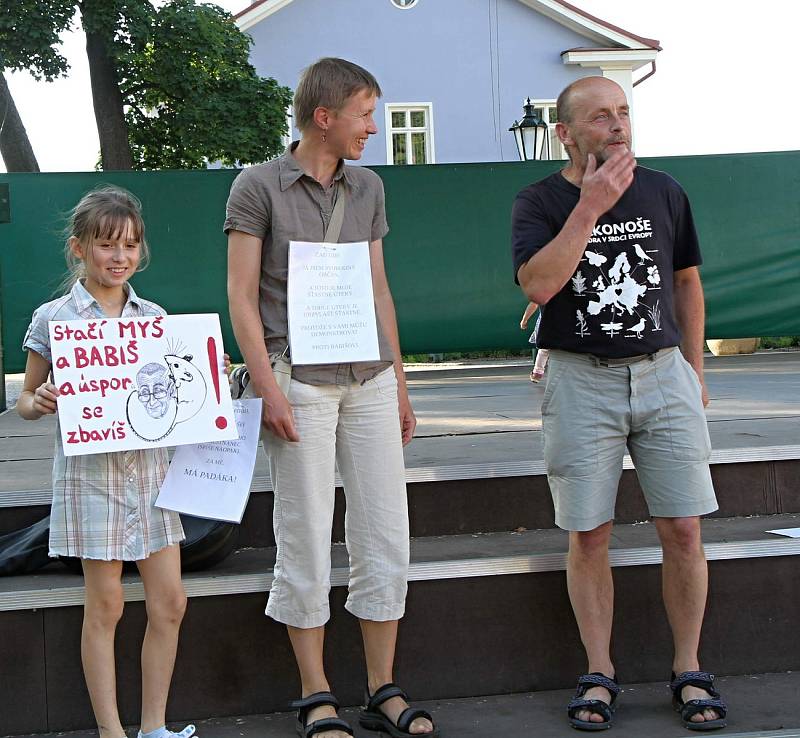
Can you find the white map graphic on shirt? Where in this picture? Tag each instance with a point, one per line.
(615, 292)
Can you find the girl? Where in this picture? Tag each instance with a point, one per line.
(102, 509)
(540, 356)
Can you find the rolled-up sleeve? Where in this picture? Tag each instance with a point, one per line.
(248, 206)
(379, 225)
(37, 337)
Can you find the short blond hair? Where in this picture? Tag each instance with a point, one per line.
(328, 83)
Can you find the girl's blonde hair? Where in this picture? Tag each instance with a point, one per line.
(102, 213)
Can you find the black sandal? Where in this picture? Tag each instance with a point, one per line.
(689, 708)
(372, 718)
(598, 707)
(318, 699)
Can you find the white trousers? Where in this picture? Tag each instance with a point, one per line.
(357, 428)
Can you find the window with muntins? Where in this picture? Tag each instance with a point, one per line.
(546, 110)
(409, 134)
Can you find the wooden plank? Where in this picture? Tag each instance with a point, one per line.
(12, 425)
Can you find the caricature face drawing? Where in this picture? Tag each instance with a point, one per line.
(152, 406)
(156, 389)
(190, 386)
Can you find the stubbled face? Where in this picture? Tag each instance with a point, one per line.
(600, 122)
(154, 392)
(352, 125)
(110, 262)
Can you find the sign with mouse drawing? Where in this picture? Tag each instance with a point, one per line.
(140, 382)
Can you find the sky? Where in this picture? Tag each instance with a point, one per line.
(724, 65)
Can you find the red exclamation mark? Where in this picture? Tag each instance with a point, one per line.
(221, 423)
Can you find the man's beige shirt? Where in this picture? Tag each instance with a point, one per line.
(278, 202)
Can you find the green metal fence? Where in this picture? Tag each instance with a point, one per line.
(447, 255)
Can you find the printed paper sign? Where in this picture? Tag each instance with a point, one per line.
(212, 480)
(140, 382)
(331, 307)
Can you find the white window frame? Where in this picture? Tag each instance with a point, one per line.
(397, 107)
(546, 105)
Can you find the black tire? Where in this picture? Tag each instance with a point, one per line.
(26, 550)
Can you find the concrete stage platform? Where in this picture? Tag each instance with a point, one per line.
(485, 420)
(492, 414)
(761, 706)
(488, 612)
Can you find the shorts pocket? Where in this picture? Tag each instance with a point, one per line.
(569, 422)
(552, 376)
(683, 397)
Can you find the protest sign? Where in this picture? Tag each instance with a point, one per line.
(331, 307)
(140, 382)
(212, 480)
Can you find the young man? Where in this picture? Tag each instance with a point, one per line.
(610, 251)
(354, 415)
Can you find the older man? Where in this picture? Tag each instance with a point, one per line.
(610, 251)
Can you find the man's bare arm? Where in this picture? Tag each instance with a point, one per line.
(547, 271)
(244, 272)
(690, 315)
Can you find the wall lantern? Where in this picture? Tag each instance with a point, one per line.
(531, 135)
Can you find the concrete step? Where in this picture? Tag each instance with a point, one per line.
(486, 614)
(432, 558)
(761, 706)
(476, 465)
(496, 496)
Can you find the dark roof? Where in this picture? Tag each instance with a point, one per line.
(648, 42)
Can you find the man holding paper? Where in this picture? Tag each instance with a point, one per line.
(306, 213)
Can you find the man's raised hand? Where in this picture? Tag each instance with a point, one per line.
(603, 186)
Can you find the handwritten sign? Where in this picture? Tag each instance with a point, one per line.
(140, 382)
(331, 306)
(212, 480)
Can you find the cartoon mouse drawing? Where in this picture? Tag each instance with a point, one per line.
(190, 386)
(165, 396)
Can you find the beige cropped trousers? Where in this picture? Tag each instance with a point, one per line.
(357, 429)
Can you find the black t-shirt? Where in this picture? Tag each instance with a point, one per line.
(619, 301)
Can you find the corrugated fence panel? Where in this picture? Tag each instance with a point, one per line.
(447, 255)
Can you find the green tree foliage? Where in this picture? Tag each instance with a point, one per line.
(193, 96)
(29, 36)
(172, 87)
(115, 29)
